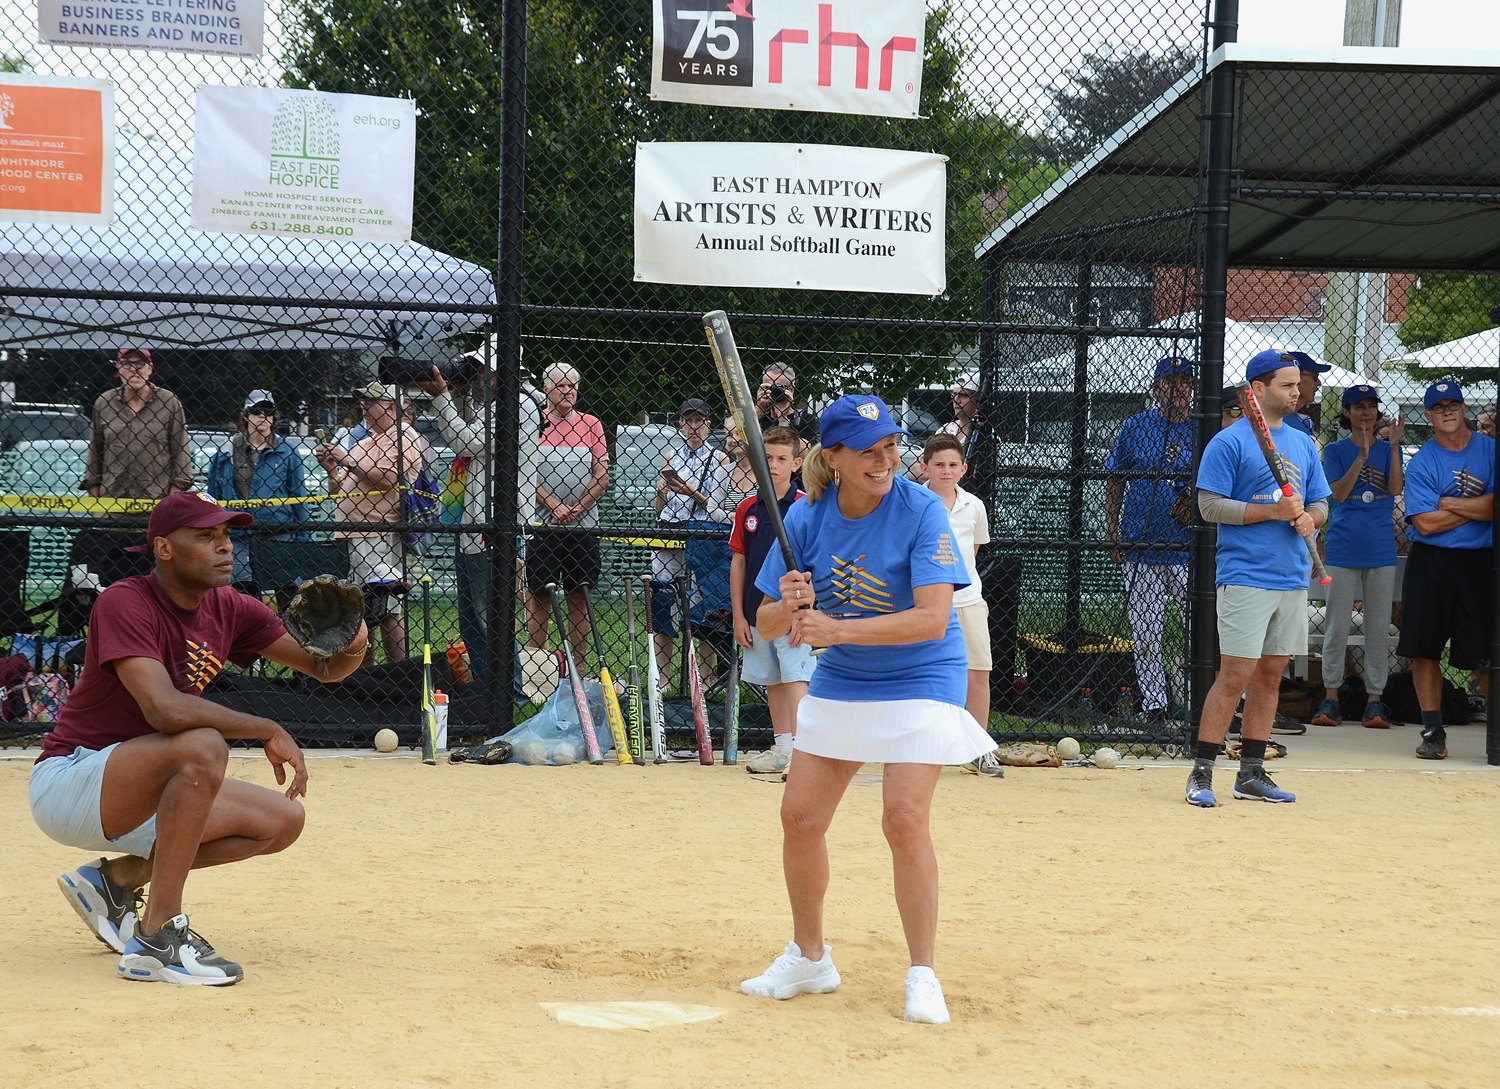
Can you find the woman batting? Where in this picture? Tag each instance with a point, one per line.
(890, 689)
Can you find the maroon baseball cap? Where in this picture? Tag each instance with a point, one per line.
(195, 510)
(125, 353)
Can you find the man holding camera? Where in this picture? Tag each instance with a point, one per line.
(775, 403)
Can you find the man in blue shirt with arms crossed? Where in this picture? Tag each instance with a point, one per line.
(1262, 574)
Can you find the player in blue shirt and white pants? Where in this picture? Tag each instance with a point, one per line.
(1262, 571)
(876, 589)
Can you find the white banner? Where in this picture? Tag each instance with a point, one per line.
(809, 216)
(273, 161)
(234, 28)
(833, 56)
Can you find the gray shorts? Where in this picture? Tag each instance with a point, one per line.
(771, 663)
(64, 793)
(1256, 623)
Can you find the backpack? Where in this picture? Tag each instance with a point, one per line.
(422, 506)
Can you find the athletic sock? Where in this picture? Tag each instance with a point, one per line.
(1253, 750)
(1206, 752)
(1432, 723)
(1251, 767)
(783, 743)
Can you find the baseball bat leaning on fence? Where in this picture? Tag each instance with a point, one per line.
(429, 707)
(732, 704)
(742, 406)
(575, 678)
(653, 685)
(634, 721)
(694, 681)
(1262, 432)
(612, 714)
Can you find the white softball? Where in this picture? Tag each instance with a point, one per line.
(1106, 758)
(386, 740)
(564, 753)
(532, 752)
(1069, 749)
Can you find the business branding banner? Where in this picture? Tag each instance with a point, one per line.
(274, 161)
(233, 28)
(832, 56)
(809, 216)
(57, 150)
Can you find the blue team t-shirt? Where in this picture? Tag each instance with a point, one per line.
(1435, 472)
(868, 567)
(1148, 441)
(1361, 532)
(1302, 423)
(1267, 555)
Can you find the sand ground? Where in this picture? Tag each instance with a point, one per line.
(1096, 932)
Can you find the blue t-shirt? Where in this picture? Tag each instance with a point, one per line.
(1361, 532)
(1302, 423)
(1149, 442)
(868, 567)
(1267, 555)
(1435, 472)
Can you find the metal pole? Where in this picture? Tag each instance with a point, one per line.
(1219, 120)
(1073, 621)
(500, 543)
(1492, 712)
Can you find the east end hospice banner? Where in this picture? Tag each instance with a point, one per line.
(832, 56)
(235, 28)
(810, 216)
(57, 151)
(273, 161)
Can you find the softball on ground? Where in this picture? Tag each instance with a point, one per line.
(386, 740)
(1106, 758)
(564, 753)
(531, 752)
(1069, 749)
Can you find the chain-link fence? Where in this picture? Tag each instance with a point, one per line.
(1110, 258)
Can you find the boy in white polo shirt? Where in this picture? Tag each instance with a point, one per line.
(944, 465)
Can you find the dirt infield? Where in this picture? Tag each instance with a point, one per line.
(1096, 932)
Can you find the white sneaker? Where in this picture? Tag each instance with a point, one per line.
(988, 764)
(771, 762)
(792, 974)
(924, 997)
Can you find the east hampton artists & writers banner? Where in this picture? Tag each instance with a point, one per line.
(57, 141)
(834, 56)
(810, 216)
(273, 161)
(235, 28)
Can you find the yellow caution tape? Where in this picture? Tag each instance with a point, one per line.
(144, 506)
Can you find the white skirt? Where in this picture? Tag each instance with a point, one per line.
(890, 731)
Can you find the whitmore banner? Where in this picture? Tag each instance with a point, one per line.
(235, 28)
(274, 161)
(832, 56)
(57, 149)
(811, 216)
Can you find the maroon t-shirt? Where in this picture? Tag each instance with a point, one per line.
(134, 618)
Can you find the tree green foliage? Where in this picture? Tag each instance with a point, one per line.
(588, 80)
(1444, 308)
(1106, 89)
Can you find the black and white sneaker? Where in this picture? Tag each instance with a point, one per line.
(110, 911)
(177, 954)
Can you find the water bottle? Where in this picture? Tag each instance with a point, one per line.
(440, 716)
(458, 663)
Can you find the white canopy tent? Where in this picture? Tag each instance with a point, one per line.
(1476, 352)
(65, 286)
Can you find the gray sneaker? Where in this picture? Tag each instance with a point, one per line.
(110, 911)
(177, 954)
(988, 764)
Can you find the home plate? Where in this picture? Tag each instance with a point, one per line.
(630, 1015)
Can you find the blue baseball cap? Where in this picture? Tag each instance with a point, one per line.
(1362, 392)
(1442, 391)
(1273, 359)
(1172, 366)
(858, 421)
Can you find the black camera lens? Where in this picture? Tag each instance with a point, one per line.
(397, 370)
(781, 392)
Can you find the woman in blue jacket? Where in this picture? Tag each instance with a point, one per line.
(259, 464)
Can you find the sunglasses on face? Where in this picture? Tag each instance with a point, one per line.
(1234, 410)
(262, 412)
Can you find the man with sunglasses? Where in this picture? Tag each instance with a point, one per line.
(1448, 590)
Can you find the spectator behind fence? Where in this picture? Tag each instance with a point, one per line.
(138, 449)
(690, 494)
(1449, 584)
(1158, 442)
(572, 474)
(776, 404)
(1308, 384)
(961, 427)
(466, 418)
(371, 472)
(259, 464)
(1485, 423)
(1262, 572)
(1360, 547)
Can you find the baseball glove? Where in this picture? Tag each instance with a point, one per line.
(324, 617)
(1183, 508)
(1029, 754)
(490, 752)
